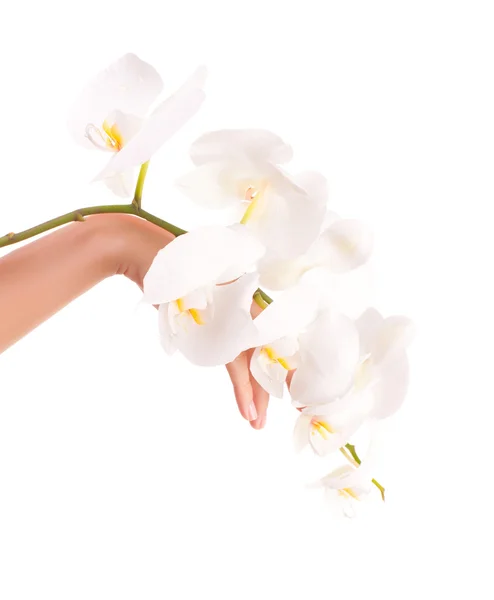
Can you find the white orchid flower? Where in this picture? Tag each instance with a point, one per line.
(278, 211)
(278, 329)
(346, 486)
(202, 312)
(342, 245)
(111, 115)
(328, 427)
(328, 359)
(321, 345)
(384, 362)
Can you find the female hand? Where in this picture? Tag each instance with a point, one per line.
(142, 242)
(40, 278)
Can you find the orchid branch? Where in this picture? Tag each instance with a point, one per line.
(134, 208)
(140, 185)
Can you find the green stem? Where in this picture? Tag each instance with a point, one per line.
(140, 184)
(163, 224)
(356, 458)
(259, 300)
(75, 215)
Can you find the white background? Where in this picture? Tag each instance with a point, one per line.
(124, 474)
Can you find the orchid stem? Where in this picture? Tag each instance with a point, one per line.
(259, 299)
(75, 215)
(140, 184)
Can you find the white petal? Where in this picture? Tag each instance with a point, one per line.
(130, 85)
(196, 259)
(369, 325)
(277, 274)
(348, 476)
(308, 387)
(198, 299)
(165, 331)
(202, 186)
(164, 122)
(236, 269)
(345, 245)
(230, 331)
(390, 391)
(290, 222)
(301, 432)
(258, 143)
(270, 377)
(344, 416)
(314, 184)
(123, 184)
(329, 356)
(289, 315)
(395, 335)
(126, 124)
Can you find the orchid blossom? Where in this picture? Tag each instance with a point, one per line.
(384, 361)
(343, 245)
(204, 295)
(239, 171)
(321, 345)
(329, 427)
(112, 115)
(346, 486)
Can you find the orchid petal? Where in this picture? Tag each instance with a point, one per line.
(345, 245)
(170, 116)
(202, 186)
(329, 353)
(390, 391)
(196, 259)
(166, 333)
(270, 377)
(369, 324)
(258, 143)
(395, 335)
(129, 85)
(290, 222)
(292, 312)
(228, 332)
(127, 125)
(301, 432)
(278, 274)
(343, 417)
(314, 184)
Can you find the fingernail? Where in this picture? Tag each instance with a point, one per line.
(262, 422)
(252, 412)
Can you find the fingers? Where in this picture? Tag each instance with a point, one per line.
(244, 394)
(261, 400)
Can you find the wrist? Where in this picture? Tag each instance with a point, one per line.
(128, 244)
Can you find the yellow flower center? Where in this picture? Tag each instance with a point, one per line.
(253, 194)
(348, 493)
(274, 358)
(321, 427)
(113, 140)
(193, 312)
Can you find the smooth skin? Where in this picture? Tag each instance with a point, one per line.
(40, 278)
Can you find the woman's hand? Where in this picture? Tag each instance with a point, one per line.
(40, 278)
(141, 241)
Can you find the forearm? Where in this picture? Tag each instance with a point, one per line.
(42, 277)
